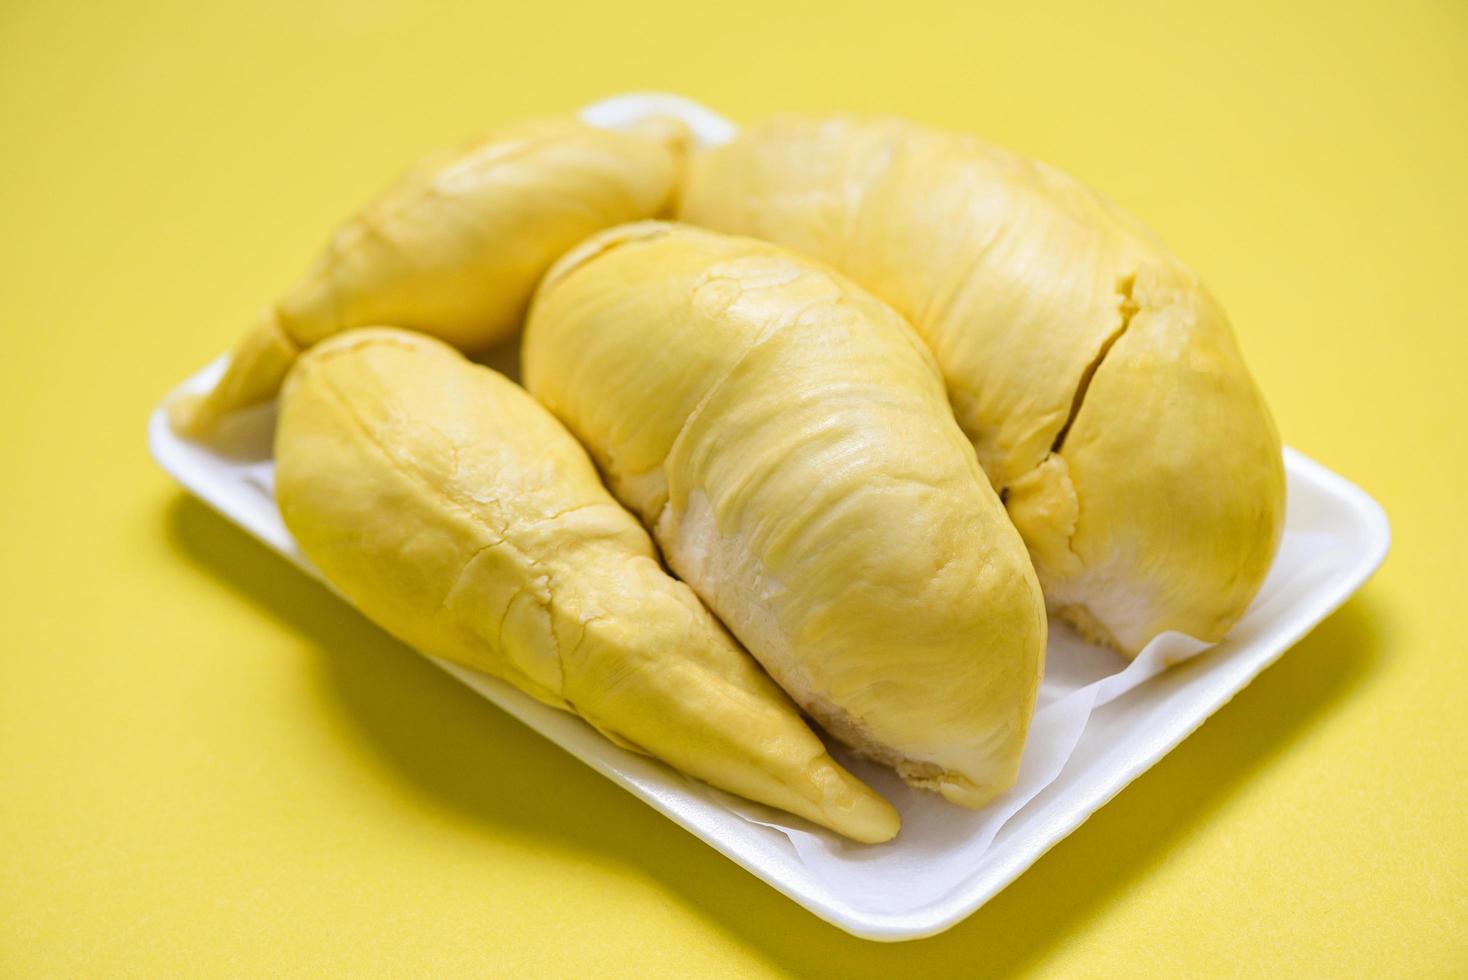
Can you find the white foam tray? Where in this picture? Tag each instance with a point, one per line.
(1335, 537)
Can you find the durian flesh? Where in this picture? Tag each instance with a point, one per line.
(454, 247)
(456, 513)
(787, 438)
(1097, 378)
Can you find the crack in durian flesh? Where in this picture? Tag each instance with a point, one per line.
(1078, 615)
(1127, 306)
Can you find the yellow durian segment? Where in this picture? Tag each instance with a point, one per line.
(787, 438)
(455, 247)
(1097, 379)
(460, 516)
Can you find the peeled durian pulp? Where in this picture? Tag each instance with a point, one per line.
(457, 514)
(454, 247)
(1097, 378)
(788, 439)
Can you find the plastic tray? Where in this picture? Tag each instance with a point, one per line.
(1335, 537)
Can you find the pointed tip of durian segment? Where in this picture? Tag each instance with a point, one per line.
(257, 368)
(186, 414)
(850, 807)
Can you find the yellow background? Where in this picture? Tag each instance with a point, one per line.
(210, 766)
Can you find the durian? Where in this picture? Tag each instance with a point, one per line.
(787, 438)
(457, 514)
(454, 247)
(1097, 378)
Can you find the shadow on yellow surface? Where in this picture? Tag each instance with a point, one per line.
(451, 750)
